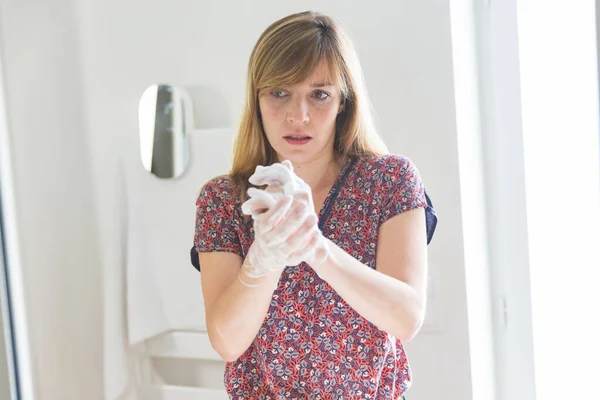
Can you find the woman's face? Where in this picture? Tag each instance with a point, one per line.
(299, 121)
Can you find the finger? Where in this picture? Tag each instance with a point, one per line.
(259, 201)
(300, 238)
(303, 195)
(268, 198)
(288, 225)
(253, 207)
(307, 250)
(267, 182)
(290, 188)
(273, 174)
(272, 217)
(274, 189)
(276, 175)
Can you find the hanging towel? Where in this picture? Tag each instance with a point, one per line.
(149, 288)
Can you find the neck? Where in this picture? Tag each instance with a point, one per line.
(320, 172)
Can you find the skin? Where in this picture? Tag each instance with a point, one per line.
(392, 296)
(310, 107)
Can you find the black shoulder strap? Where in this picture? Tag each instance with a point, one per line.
(431, 218)
(194, 257)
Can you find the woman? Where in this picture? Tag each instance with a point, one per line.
(330, 324)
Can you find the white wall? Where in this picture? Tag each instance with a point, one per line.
(74, 77)
(53, 196)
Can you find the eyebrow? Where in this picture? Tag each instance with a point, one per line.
(322, 84)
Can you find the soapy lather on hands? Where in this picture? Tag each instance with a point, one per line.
(285, 222)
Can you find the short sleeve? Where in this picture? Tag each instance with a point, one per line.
(402, 180)
(216, 224)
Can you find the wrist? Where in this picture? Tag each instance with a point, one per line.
(323, 258)
(270, 279)
(255, 271)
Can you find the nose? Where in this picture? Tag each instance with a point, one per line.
(297, 112)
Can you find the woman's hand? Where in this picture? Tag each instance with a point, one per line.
(292, 233)
(270, 205)
(282, 176)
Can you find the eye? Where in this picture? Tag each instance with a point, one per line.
(321, 95)
(278, 93)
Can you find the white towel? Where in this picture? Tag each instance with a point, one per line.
(150, 285)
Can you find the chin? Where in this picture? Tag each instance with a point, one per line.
(295, 158)
(302, 155)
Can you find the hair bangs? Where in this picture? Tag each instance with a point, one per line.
(294, 60)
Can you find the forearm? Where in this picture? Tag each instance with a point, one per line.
(239, 313)
(390, 304)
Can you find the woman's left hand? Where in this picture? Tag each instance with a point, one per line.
(296, 234)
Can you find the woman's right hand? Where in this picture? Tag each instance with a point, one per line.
(266, 207)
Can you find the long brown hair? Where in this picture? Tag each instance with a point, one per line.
(285, 54)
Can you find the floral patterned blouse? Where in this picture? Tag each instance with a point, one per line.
(312, 344)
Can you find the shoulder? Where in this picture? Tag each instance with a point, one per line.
(220, 189)
(388, 167)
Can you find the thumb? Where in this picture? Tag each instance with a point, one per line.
(258, 202)
(288, 165)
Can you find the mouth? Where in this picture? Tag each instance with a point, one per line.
(297, 139)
